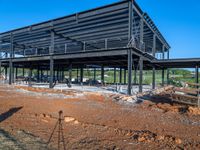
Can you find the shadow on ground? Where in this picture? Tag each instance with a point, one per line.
(9, 113)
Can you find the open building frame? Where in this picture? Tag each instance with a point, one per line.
(118, 35)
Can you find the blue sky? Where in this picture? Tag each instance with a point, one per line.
(178, 20)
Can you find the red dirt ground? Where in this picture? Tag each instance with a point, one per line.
(95, 121)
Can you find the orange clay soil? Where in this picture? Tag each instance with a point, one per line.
(95, 121)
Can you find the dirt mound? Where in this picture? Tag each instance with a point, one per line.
(176, 108)
(168, 107)
(95, 96)
(46, 90)
(194, 110)
(92, 121)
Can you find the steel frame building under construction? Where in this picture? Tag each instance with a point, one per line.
(119, 35)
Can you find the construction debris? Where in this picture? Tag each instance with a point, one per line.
(101, 120)
(187, 95)
(194, 110)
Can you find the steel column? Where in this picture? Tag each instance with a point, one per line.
(29, 76)
(11, 77)
(130, 64)
(106, 43)
(6, 73)
(124, 75)
(38, 74)
(41, 74)
(135, 75)
(141, 74)
(52, 42)
(142, 34)
(23, 72)
(51, 72)
(154, 45)
(115, 75)
(130, 31)
(70, 73)
(81, 74)
(153, 78)
(102, 75)
(0, 69)
(167, 76)
(51, 59)
(94, 73)
(197, 74)
(77, 74)
(0, 48)
(163, 52)
(57, 74)
(16, 72)
(62, 74)
(163, 77)
(168, 54)
(120, 75)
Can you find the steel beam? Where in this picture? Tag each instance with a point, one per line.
(130, 64)
(102, 21)
(160, 37)
(71, 20)
(89, 54)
